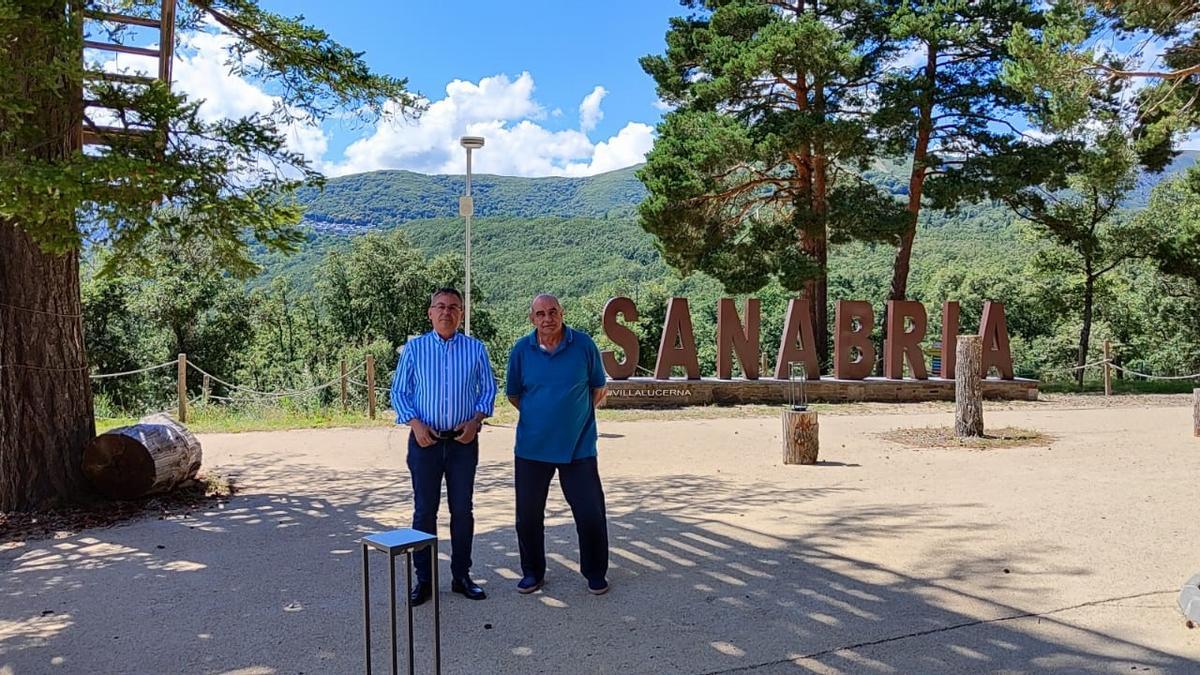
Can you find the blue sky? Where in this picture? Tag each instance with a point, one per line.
(564, 50)
(554, 86)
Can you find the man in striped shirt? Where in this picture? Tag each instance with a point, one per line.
(443, 389)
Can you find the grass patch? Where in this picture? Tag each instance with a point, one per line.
(943, 437)
(222, 419)
(205, 491)
(104, 424)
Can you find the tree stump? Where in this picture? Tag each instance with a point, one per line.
(801, 440)
(1196, 412)
(968, 386)
(155, 455)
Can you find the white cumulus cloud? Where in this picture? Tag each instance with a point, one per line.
(589, 110)
(627, 148)
(500, 108)
(199, 71)
(504, 111)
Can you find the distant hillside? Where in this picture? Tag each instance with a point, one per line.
(573, 236)
(1146, 182)
(383, 199)
(513, 257)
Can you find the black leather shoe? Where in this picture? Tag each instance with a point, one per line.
(467, 588)
(420, 593)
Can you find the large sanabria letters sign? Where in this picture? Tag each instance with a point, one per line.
(853, 354)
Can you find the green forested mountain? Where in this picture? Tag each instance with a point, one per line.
(574, 235)
(356, 287)
(579, 238)
(385, 199)
(388, 198)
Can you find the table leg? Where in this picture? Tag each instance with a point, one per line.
(366, 607)
(437, 616)
(392, 584)
(408, 578)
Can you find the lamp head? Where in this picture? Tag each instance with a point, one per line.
(471, 142)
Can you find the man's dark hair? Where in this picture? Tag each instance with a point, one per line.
(446, 290)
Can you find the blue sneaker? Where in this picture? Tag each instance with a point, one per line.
(529, 584)
(598, 586)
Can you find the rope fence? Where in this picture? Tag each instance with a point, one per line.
(241, 394)
(386, 391)
(1109, 366)
(1127, 371)
(134, 372)
(1073, 369)
(272, 394)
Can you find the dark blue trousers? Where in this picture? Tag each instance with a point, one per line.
(456, 462)
(580, 482)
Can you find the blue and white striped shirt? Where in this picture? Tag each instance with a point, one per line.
(443, 383)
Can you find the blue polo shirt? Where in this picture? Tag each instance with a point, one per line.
(557, 422)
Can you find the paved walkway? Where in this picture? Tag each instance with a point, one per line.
(881, 559)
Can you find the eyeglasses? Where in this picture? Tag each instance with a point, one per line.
(444, 308)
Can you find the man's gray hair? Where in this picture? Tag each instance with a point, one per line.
(544, 296)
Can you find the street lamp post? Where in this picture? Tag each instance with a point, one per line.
(466, 208)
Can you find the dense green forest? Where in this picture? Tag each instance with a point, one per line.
(803, 151)
(359, 289)
(1015, 151)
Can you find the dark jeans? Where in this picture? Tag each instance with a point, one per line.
(580, 481)
(457, 463)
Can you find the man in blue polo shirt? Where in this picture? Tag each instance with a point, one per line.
(443, 389)
(556, 379)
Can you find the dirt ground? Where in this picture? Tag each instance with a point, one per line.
(1066, 557)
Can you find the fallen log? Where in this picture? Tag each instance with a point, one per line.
(157, 454)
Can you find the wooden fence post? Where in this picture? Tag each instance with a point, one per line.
(206, 388)
(968, 386)
(1107, 368)
(371, 386)
(181, 387)
(345, 406)
(1196, 412)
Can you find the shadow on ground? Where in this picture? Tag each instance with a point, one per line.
(271, 584)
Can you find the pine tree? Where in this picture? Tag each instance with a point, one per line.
(754, 173)
(951, 100)
(231, 176)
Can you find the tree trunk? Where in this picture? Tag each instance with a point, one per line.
(155, 455)
(45, 396)
(916, 179)
(968, 386)
(814, 239)
(816, 292)
(902, 265)
(801, 437)
(1085, 333)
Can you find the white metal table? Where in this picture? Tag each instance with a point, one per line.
(394, 543)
